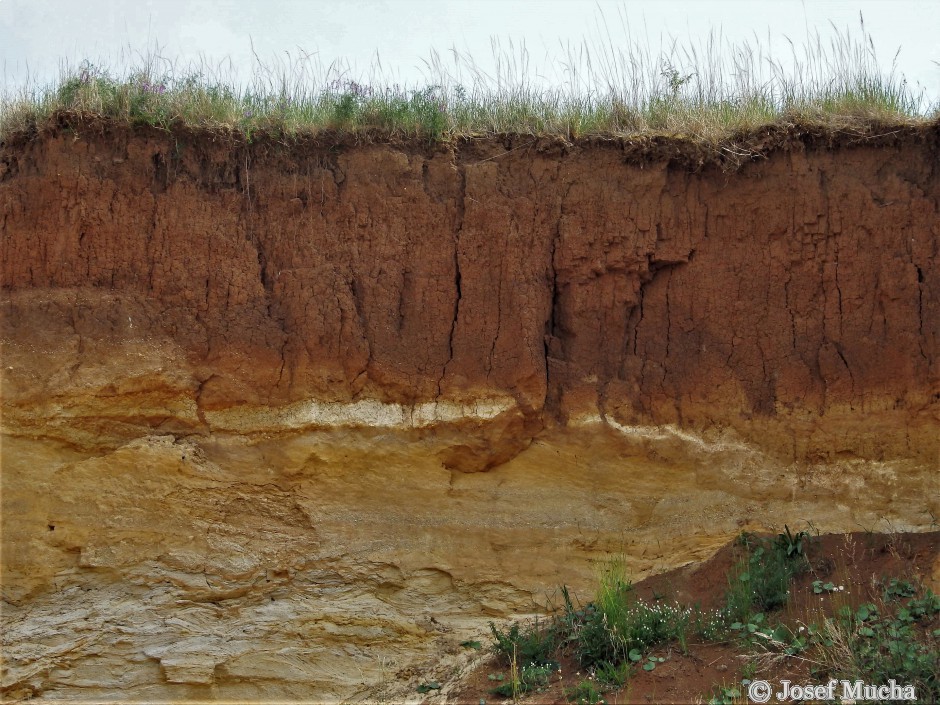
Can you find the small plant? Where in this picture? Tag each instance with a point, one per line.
(770, 571)
(759, 583)
(537, 675)
(585, 693)
(895, 589)
(675, 80)
(613, 675)
(725, 695)
(748, 671)
(533, 644)
(619, 623)
(819, 587)
(751, 625)
(792, 544)
(530, 677)
(765, 574)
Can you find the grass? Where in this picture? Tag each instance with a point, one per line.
(878, 641)
(892, 636)
(618, 627)
(616, 85)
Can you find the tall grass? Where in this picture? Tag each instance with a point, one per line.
(609, 85)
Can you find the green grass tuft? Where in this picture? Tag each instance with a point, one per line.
(613, 87)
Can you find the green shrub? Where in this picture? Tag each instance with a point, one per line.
(534, 644)
(759, 582)
(617, 622)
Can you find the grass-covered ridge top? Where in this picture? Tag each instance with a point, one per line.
(703, 94)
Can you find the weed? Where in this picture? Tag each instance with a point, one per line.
(758, 583)
(819, 587)
(749, 670)
(753, 623)
(619, 623)
(762, 578)
(869, 645)
(530, 677)
(652, 662)
(895, 589)
(585, 693)
(792, 544)
(534, 643)
(726, 695)
(612, 675)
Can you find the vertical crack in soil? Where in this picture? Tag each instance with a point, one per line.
(920, 313)
(461, 206)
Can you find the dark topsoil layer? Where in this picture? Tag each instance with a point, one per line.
(683, 151)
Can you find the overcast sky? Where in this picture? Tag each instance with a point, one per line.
(36, 35)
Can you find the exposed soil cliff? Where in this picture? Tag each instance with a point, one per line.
(795, 300)
(239, 372)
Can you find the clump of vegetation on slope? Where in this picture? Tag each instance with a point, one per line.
(888, 631)
(610, 87)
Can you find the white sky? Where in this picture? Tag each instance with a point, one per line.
(36, 35)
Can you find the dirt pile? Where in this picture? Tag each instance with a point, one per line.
(259, 381)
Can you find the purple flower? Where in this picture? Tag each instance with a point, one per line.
(353, 88)
(147, 87)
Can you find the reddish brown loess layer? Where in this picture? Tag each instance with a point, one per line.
(795, 300)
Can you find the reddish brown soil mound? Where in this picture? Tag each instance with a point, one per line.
(861, 562)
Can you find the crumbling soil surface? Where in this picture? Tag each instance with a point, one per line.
(860, 562)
